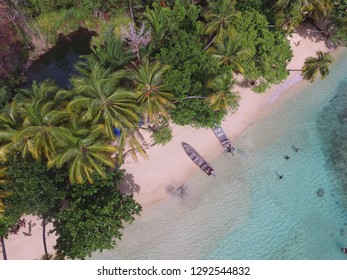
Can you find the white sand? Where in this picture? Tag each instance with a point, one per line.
(169, 165)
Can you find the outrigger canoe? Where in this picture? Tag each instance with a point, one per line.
(223, 139)
(198, 159)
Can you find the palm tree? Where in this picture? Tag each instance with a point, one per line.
(112, 54)
(313, 66)
(130, 138)
(10, 123)
(41, 116)
(4, 96)
(84, 149)
(289, 13)
(221, 18)
(29, 122)
(228, 51)
(154, 96)
(222, 97)
(289, 20)
(102, 100)
(157, 19)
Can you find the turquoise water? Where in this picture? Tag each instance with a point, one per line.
(247, 212)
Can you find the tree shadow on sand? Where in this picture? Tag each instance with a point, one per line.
(128, 185)
(244, 83)
(315, 34)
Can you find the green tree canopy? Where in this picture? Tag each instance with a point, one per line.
(269, 50)
(95, 215)
(338, 22)
(33, 189)
(197, 113)
(190, 65)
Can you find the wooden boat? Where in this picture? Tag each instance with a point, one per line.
(223, 139)
(198, 159)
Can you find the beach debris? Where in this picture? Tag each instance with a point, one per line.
(320, 192)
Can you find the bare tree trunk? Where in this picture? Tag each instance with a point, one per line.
(131, 12)
(209, 44)
(3, 248)
(4, 70)
(44, 236)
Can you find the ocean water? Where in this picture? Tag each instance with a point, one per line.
(247, 212)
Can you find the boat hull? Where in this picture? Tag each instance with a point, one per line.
(223, 139)
(198, 159)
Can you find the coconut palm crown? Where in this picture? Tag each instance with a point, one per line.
(102, 100)
(317, 65)
(29, 123)
(112, 54)
(157, 19)
(228, 51)
(154, 96)
(222, 97)
(84, 149)
(222, 17)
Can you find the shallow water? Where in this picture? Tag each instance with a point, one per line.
(247, 212)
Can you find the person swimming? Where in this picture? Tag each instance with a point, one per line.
(295, 148)
(286, 157)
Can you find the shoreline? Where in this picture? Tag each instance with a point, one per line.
(169, 164)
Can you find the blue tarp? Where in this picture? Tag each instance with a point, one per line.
(141, 122)
(117, 131)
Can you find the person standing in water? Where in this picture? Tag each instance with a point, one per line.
(295, 149)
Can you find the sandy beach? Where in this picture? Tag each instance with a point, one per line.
(169, 166)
